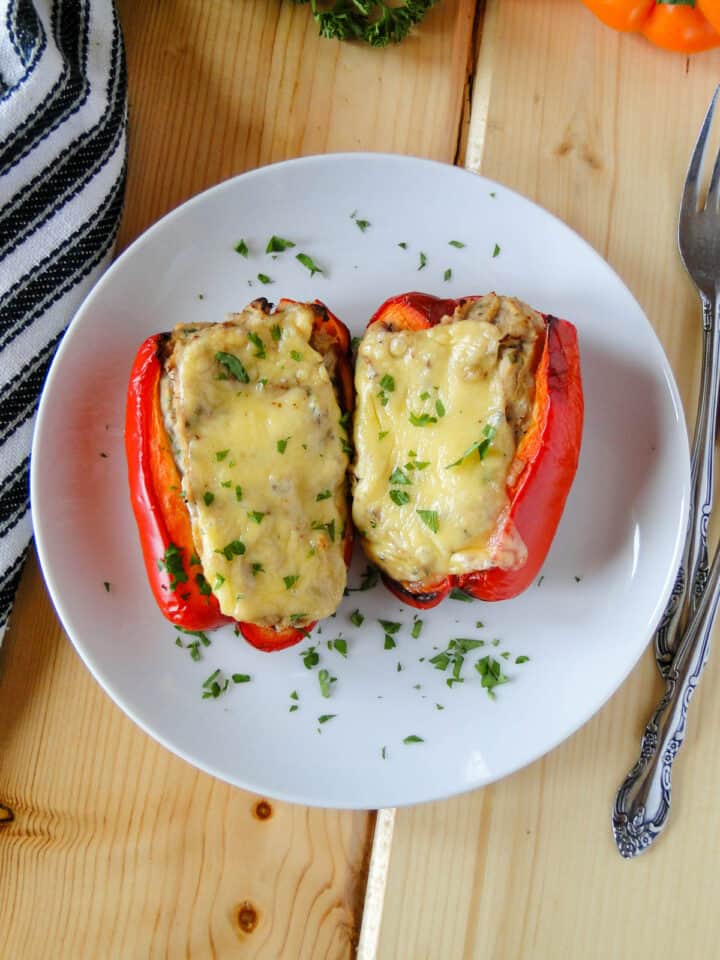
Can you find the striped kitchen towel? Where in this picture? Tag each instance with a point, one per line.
(63, 120)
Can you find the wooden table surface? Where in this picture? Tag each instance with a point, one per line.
(118, 849)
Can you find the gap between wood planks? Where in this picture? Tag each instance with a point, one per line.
(379, 862)
(471, 67)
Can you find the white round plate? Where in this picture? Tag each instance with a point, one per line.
(583, 625)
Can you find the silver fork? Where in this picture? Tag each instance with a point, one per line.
(642, 804)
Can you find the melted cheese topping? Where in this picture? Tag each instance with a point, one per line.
(439, 415)
(263, 464)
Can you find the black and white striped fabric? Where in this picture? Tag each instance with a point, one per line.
(63, 119)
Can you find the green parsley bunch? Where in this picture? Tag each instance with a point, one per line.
(374, 21)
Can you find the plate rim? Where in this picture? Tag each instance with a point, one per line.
(296, 796)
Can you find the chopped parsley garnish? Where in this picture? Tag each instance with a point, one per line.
(203, 585)
(242, 248)
(310, 658)
(256, 516)
(387, 382)
(362, 224)
(293, 708)
(264, 278)
(296, 355)
(522, 659)
(421, 419)
(194, 560)
(241, 678)
(221, 454)
(447, 275)
(294, 695)
(202, 637)
(356, 618)
(257, 568)
(440, 408)
(340, 644)
(456, 594)
(219, 581)
(226, 483)
(291, 580)
(416, 628)
(275, 331)
(454, 656)
(369, 578)
(326, 716)
(399, 497)
(208, 497)
(233, 365)
(389, 642)
(106, 584)
(390, 626)
(403, 245)
(382, 434)
(423, 261)
(413, 738)
(539, 583)
(482, 446)
(456, 243)
(429, 518)
(496, 250)
(324, 679)
(171, 562)
(397, 476)
(215, 685)
(236, 548)
(491, 673)
(278, 244)
(258, 343)
(329, 527)
(238, 493)
(308, 263)
(323, 495)
(383, 753)
(282, 445)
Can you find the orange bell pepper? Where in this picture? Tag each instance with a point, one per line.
(545, 460)
(173, 568)
(685, 26)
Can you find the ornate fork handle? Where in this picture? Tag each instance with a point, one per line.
(694, 560)
(642, 804)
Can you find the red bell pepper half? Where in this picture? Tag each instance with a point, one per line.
(545, 460)
(173, 568)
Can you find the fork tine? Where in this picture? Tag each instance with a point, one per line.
(711, 203)
(689, 203)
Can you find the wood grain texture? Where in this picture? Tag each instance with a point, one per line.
(598, 128)
(235, 85)
(118, 849)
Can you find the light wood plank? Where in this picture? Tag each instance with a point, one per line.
(234, 86)
(597, 128)
(118, 849)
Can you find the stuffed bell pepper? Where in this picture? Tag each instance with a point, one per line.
(468, 424)
(237, 448)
